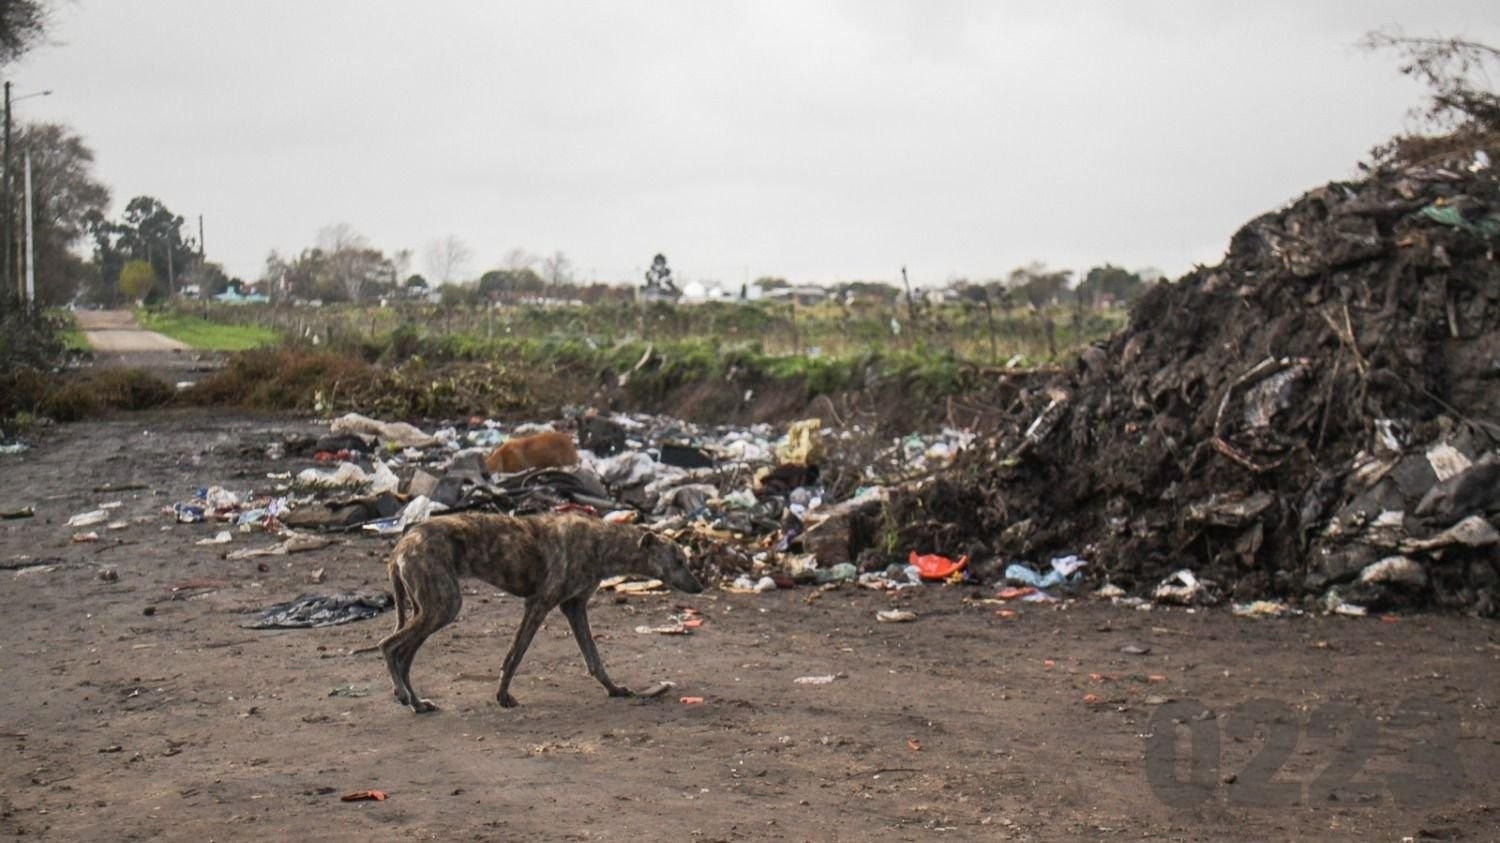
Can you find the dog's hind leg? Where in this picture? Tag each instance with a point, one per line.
(435, 603)
(390, 646)
(531, 621)
(577, 611)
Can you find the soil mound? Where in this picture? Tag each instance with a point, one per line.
(1312, 418)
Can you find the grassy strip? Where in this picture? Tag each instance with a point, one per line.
(202, 334)
(68, 333)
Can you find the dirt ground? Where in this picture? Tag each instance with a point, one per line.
(135, 712)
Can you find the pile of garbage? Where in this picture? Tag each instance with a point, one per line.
(1313, 420)
(752, 502)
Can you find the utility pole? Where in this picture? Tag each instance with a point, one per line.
(200, 238)
(12, 281)
(10, 231)
(30, 243)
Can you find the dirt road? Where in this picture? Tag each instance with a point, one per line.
(138, 708)
(119, 342)
(116, 331)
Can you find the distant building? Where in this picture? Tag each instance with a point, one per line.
(233, 296)
(804, 294)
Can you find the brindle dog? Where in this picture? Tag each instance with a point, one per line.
(550, 560)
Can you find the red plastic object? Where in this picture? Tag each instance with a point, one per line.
(364, 796)
(934, 567)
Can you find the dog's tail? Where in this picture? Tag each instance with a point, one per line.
(398, 590)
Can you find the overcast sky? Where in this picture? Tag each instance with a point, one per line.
(819, 141)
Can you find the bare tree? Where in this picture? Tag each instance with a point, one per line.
(1456, 72)
(518, 259)
(401, 264)
(446, 259)
(351, 263)
(340, 236)
(557, 269)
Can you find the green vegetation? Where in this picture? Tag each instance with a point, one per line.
(136, 280)
(67, 331)
(967, 331)
(412, 360)
(203, 334)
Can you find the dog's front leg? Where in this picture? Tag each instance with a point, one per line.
(577, 611)
(531, 621)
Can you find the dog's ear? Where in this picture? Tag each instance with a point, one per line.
(647, 539)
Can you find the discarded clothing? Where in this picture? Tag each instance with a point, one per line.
(311, 610)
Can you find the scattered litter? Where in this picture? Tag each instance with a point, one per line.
(417, 510)
(1336, 605)
(743, 584)
(89, 519)
(895, 616)
(826, 679)
(81, 538)
(350, 691)
(196, 584)
(1185, 589)
(842, 572)
(631, 584)
(221, 537)
(364, 796)
(1064, 575)
(656, 689)
(294, 543)
(934, 567)
(803, 444)
(1263, 609)
(1395, 570)
(690, 700)
(400, 434)
(1135, 650)
(675, 628)
(346, 475)
(23, 512)
(187, 513)
(314, 610)
(1473, 531)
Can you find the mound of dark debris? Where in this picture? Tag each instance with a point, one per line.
(1314, 419)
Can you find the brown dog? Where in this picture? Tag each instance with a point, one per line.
(541, 450)
(551, 560)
